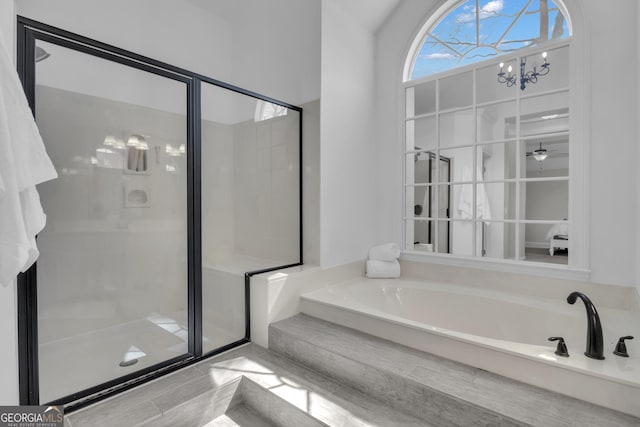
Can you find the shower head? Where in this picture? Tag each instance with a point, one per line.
(41, 54)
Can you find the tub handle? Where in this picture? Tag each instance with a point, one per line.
(621, 347)
(561, 350)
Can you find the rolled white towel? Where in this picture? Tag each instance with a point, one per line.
(377, 269)
(386, 252)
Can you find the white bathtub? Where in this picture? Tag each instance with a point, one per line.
(502, 333)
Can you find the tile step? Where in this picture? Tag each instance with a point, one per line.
(240, 416)
(248, 386)
(436, 390)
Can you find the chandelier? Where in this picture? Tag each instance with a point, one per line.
(526, 77)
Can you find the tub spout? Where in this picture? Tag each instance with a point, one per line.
(595, 343)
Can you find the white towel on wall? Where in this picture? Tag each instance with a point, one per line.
(23, 164)
(377, 269)
(386, 252)
(465, 198)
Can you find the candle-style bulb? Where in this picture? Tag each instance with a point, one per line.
(544, 55)
(501, 66)
(509, 69)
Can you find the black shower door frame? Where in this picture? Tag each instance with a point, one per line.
(28, 32)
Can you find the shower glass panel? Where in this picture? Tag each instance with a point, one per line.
(250, 202)
(112, 272)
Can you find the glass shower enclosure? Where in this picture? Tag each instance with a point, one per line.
(113, 268)
(173, 187)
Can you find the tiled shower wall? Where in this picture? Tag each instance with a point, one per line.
(250, 205)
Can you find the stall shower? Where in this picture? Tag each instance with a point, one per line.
(171, 188)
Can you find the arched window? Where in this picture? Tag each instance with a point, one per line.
(472, 31)
(487, 132)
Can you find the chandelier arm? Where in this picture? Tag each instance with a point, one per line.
(544, 69)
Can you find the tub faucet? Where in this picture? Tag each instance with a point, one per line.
(595, 345)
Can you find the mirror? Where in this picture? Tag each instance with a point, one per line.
(490, 179)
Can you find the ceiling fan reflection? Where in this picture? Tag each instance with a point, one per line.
(539, 154)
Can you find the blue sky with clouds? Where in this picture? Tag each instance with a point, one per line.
(458, 31)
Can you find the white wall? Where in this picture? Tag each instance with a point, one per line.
(612, 127)
(265, 189)
(77, 72)
(250, 190)
(348, 185)
(7, 24)
(157, 29)
(311, 182)
(276, 47)
(217, 192)
(638, 158)
(8, 322)
(613, 116)
(272, 48)
(545, 200)
(392, 40)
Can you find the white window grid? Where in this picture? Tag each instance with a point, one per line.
(519, 221)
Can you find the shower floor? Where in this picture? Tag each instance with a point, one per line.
(76, 363)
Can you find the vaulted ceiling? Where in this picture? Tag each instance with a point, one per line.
(370, 13)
